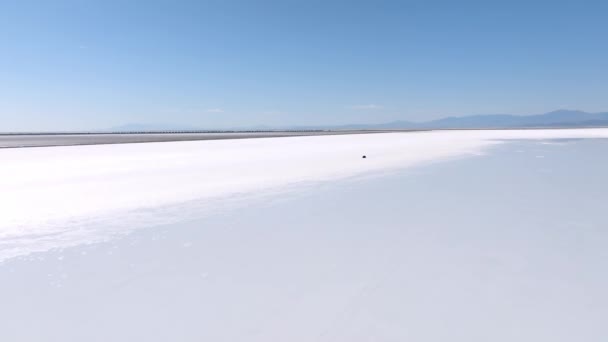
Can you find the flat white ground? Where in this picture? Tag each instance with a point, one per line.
(58, 190)
(506, 246)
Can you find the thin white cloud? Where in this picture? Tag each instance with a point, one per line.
(367, 107)
(215, 110)
(272, 112)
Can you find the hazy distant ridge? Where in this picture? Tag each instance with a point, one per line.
(558, 118)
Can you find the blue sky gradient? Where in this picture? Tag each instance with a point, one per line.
(71, 65)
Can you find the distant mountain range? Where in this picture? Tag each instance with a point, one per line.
(558, 118)
(555, 119)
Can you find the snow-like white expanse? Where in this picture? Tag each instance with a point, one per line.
(507, 246)
(65, 191)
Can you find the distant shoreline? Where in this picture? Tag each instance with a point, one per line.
(53, 139)
(50, 139)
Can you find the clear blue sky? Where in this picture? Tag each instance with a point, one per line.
(97, 64)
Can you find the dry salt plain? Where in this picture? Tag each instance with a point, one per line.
(435, 236)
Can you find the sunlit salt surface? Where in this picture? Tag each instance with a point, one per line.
(504, 246)
(63, 196)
